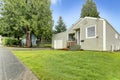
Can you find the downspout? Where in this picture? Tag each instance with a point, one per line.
(104, 35)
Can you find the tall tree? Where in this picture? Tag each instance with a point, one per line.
(60, 27)
(43, 20)
(28, 16)
(89, 9)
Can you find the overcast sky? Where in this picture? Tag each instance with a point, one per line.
(70, 11)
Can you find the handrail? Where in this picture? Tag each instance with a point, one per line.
(71, 43)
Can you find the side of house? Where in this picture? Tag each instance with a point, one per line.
(112, 38)
(91, 34)
(88, 34)
(59, 41)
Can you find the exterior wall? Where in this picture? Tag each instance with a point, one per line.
(77, 35)
(105, 35)
(112, 43)
(60, 36)
(92, 43)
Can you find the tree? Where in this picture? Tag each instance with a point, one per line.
(27, 16)
(60, 27)
(89, 9)
(43, 21)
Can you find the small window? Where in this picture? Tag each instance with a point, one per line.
(71, 37)
(116, 36)
(90, 32)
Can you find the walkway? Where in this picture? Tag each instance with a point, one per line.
(12, 69)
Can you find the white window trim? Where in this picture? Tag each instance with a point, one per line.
(116, 36)
(87, 31)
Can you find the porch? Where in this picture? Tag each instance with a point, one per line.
(73, 38)
(71, 43)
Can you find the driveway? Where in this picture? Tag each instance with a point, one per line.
(12, 69)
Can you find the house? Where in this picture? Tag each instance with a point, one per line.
(33, 40)
(91, 34)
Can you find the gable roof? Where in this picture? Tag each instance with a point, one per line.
(71, 29)
(74, 26)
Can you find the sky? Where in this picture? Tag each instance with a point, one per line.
(70, 11)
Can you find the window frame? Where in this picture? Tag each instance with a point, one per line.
(87, 37)
(116, 36)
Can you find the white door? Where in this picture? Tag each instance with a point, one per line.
(78, 37)
(58, 44)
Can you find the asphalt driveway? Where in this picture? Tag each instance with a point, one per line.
(12, 69)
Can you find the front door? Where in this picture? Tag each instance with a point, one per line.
(78, 37)
(58, 44)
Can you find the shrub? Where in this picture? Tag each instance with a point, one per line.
(75, 48)
(10, 41)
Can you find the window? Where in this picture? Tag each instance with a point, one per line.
(71, 37)
(91, 32)
(116, 36)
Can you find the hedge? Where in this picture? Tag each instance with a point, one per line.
(10, 41)
(75, 48)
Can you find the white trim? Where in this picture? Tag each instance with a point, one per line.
(94, 18)
(104, 35)
(77, 37)
(91, 18)
(87, 31)
(67, 35)
(80, 36)
(116, 35)
(80, 21)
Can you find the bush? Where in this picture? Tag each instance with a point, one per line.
(10, 41)
(75, 48)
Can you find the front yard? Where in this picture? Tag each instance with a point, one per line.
(72, 65)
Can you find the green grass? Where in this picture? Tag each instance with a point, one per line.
(72, 65)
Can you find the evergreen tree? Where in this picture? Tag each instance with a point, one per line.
(89, 9)
(28, 17)
(60, 27)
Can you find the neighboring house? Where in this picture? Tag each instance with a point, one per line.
(34, 39)
(91, 34)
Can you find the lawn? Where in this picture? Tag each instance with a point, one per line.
(72, 65)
